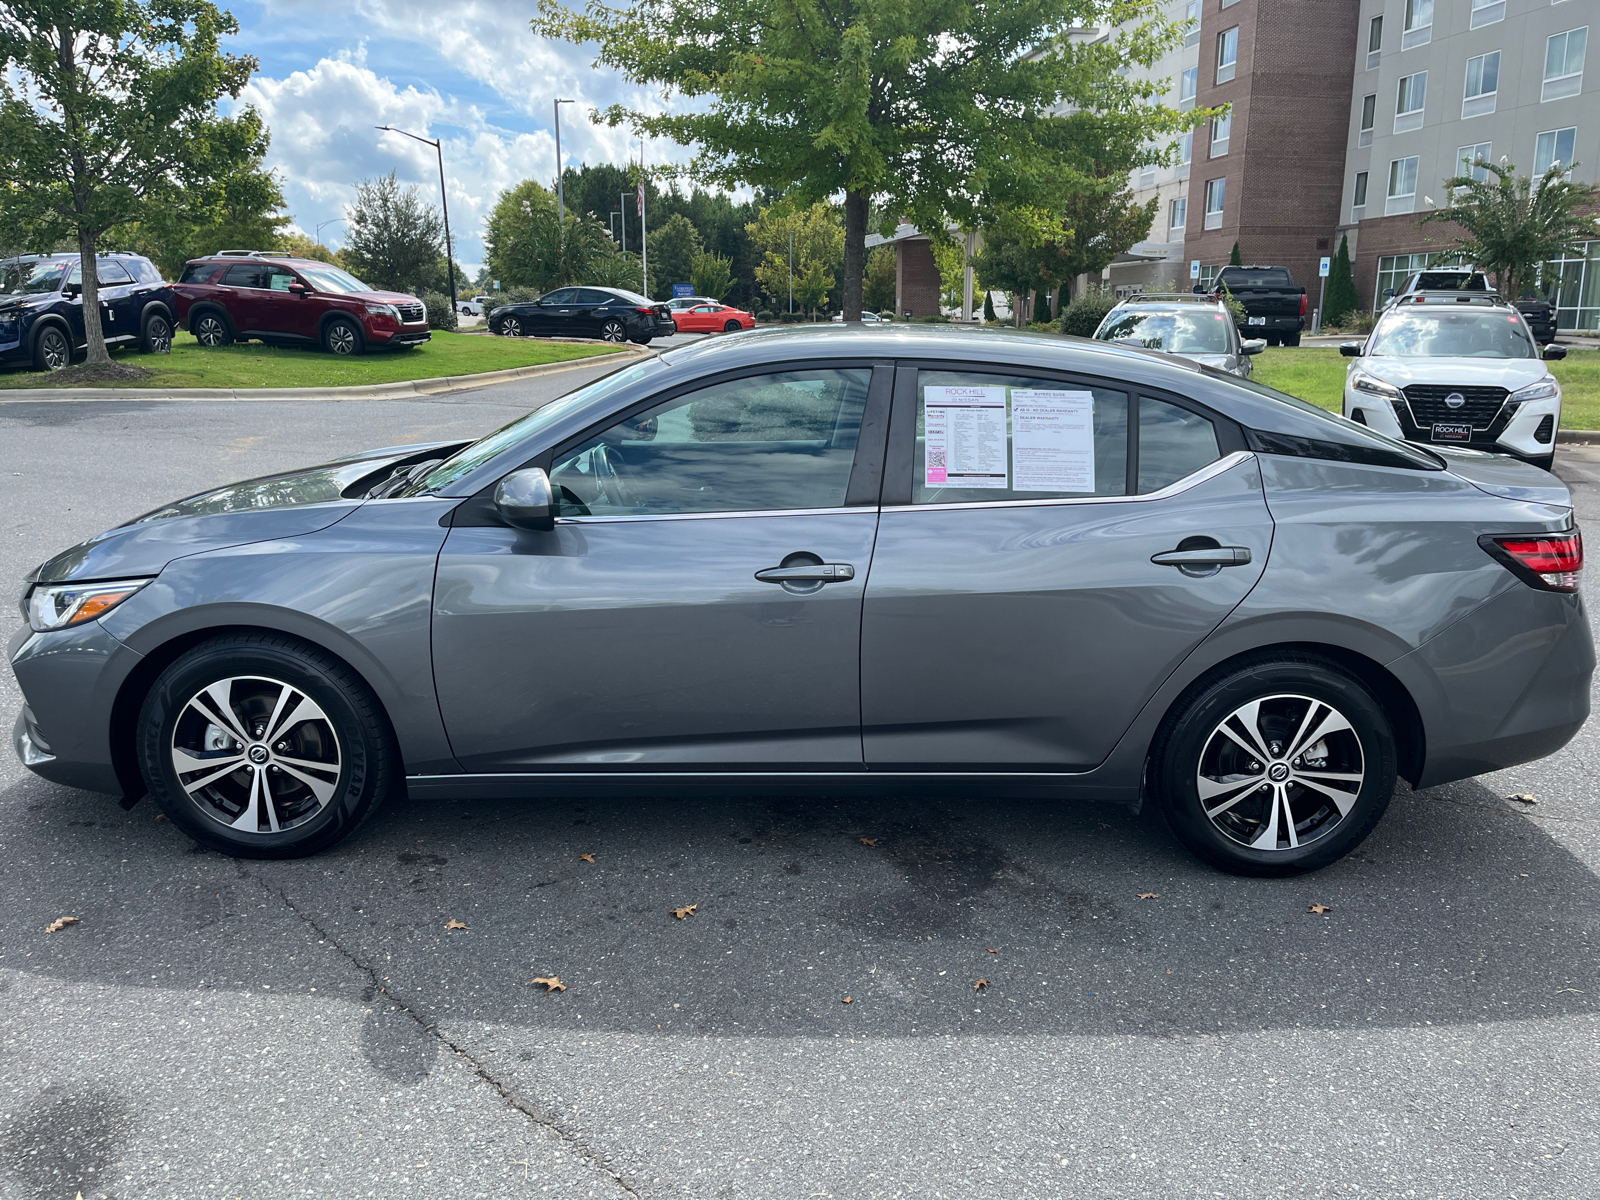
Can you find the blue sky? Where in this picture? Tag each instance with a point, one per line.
(469, 72)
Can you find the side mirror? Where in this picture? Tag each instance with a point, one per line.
(1388, 293)
(1554, 353)
(524, 500)
(72, 291)
(1252, 345)
(298, 289)
(1350, 349)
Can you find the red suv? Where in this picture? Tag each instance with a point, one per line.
(293, 301)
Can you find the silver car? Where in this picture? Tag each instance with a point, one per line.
(832, 560)
(1199, 328)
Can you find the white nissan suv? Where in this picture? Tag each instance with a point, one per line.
(1456, 369)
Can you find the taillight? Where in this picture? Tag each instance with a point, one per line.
(653, 312)
(1548, 561)
(1304, 300)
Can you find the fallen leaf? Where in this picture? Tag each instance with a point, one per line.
(1320, 908)
(1524, 798)
(991, 950)
(452, 923)
(1169, 970)
(161, 816)
(61, 923)
(848, 1000)
(980, 985)
(1524, 875)
(686, 911)
(585, 858)
(1103, 825)
(551, 984)
(1149, 895)
(869, 841)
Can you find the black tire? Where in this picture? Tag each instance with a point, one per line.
(1192, 734)
(52, 349)
(157, 335)
(1291, 339)
(613, 331)
(641, 341)
(1545, 462)
(731, 327)
(212, 328)
(364, 752)
(1272, 338)
(510, 327)
(342, 336)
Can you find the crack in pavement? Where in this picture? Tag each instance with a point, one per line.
(381, 985)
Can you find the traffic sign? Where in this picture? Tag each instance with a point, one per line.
(1194, 268)
(1323, 265)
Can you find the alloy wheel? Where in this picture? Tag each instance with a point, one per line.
(256, 754)
(1280, 772)
(613, 331)
(54, 350)
(210, 331)
(511, 327)
(158, 336)
(341, 338)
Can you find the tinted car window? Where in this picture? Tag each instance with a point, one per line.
(112, 274)
(1264, 277)
(144, 270)
(592, 296)
(1006, 437)
(246, 275)
(198, 273)
(1173, 442)
(561, 296)
(34, 278)
(1439, 281)
(767, 442)
(279, 279)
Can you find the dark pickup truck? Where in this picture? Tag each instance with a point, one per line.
(1274, 308)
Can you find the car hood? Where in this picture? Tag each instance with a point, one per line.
(383, 297)
(1503, 475)
(1509, 373)
(256, 510)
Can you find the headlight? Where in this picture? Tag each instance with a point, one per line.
(1547, 388)
(61, 605)
(1372, 386)
(384, 310)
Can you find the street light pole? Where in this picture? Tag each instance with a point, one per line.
(561, 203)
(444, 200)
(320, 224)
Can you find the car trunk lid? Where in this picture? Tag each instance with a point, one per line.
(1503, 475)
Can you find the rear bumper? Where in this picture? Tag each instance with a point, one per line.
(1272, 325)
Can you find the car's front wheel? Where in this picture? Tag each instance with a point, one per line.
(510, 327)
(614, 331)
(51, 350)
(342, 336)
(260, 746)
(1276, 767)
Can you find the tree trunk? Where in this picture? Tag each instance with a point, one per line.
(92, 332)
(855, 252)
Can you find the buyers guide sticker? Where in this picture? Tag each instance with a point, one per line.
(1052, 440)
(965, 429)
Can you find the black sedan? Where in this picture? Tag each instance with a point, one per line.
(610, 314)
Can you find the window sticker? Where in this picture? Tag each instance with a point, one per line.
(1052, 438)
(965, 431)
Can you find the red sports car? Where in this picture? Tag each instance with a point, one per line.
(713, 318)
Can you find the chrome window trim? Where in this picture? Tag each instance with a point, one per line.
(1208, 472)
(712, 516)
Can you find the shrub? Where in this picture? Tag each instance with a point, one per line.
(441, 313)
(887, 314)
(521, 295)
(1083, 316)
(941, 319)
(1359, 321)
(764, 314)
(791, 318)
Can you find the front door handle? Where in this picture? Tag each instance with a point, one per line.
(808, 573)
(1212, 556)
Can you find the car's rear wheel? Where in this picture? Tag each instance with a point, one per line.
(260, 746)
(1291, 339)
(343, 337)
(157, 337)
(1276, 767)
(614, 331)
(211, 328)
(51, 349)
(732, 327)
(510, 327)
(1272, 338)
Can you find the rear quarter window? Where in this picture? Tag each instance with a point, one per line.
(198, 273)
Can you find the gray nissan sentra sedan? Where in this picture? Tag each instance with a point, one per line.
(833, 559)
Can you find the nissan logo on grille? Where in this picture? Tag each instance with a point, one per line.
(1455, 400)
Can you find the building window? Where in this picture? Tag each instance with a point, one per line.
(1360, 198)
(1374, 41)
(1221, 127)
(1552, 147)
(1409, 102)
(1188, 84)
(1185, 151)
(1192, 16)
(1226, 3)
(1216, 194)
(1470, 160)
(1563, 64)
(1402, 196)
(1483, 82)
(1419, 24)
(1395, 269)
(1572, 284)
(1180, 214)
(1487, 12)
(1369, 118)
(1227, 53)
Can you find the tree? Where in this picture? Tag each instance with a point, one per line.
(811, 287)
(674, 243)
(395, 240)
(1102, 221)
(937, 108)
(1233, 257)
(818, 239)
(616, 270)
(711, 275)
(878, 289)
(242, 211)
(520, 236)
(301, 246)
(106, 110)
(1512, 225)
(988, 307)
(1342, 299)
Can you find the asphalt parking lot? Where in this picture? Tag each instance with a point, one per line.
(222, 1029)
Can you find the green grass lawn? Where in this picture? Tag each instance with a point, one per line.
(1316, 373)
(252, 365)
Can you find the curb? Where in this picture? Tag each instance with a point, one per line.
(1579, 437)
(408, 389)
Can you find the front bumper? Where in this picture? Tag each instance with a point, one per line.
(1520, 429)
(69, 680)
(404, 336)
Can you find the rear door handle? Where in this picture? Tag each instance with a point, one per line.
(1217, 556)
(808, 573)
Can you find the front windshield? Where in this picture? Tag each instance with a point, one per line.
(1176, 332)
(332, 279)
(468, 459)
(30, 278)
(1422, 332)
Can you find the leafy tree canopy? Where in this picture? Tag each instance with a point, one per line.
(247, 215)
(674, 244)
(878, 291)
(711, 275)
(818, 239)
(1342, 299)
(395, 239)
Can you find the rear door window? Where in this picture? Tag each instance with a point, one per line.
(1173, 443)
(246, 275)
